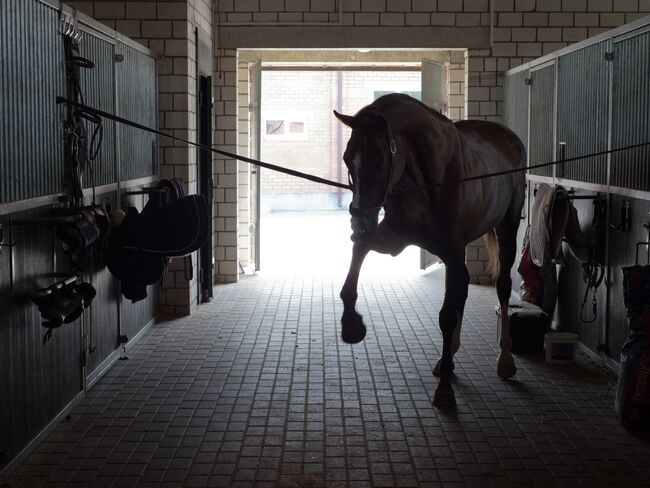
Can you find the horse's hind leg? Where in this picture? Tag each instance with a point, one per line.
(456, 283)
(507, 236)
(455, 343)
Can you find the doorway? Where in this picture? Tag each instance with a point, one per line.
(304, 227)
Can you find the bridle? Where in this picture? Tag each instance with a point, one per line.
(390, 185)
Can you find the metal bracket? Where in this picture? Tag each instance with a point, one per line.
(528, 81)
(609, 56)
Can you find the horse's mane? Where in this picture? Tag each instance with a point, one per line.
(386, 103)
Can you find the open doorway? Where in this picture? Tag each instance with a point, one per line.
(303, 227)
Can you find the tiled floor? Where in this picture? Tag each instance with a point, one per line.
(257, 390)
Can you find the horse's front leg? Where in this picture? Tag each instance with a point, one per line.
(353, 330)
(456, 284)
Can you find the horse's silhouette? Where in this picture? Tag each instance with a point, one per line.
(408, 158)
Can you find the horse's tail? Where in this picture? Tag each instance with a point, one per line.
(492, 247)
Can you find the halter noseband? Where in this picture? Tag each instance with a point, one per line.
(392, 150)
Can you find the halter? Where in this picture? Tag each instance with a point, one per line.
(392, 150)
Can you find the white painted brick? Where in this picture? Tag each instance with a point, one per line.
(85, 7)
(529, 49)
(394, 19)
(423, 5)
(549, 34)
(503, 34)
(157, 28)
(468, 20)
(524, 34)
(599, 5)
(316, 17)
(504, 49)
(271, 5)
(536, 19)
(175, 47)
(510, 19)
(490, 64)
(443, 19)
(574, 5)
(246, 5)
(504, 64)
(550, 47)
(574, 34)
(526, 5)
(488, 108)
(172, 83)
(366, 19)
(398, 6)
(504, 5)
(631, 17)
(626, 5)
(476, 6)
(172, 10)
(478, 93)
(322, 5)
(560, 20)
(297, 5)
(130, 28)
(587, 20)
(237, 17)
(612, 20)
(109, 10)
(417, 19)
(290, 17)
(449, 6)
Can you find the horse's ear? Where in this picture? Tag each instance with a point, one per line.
(348, 120)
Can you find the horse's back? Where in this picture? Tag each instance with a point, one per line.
(484, 136)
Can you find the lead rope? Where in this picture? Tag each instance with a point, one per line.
(317, 179)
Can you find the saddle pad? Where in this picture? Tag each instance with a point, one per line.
(548, 222)
(175, 229)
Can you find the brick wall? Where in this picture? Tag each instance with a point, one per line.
(167, 28)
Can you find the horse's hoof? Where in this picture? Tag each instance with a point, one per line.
(506, 368)
(444, 399)
(436, 370)
(353, 331)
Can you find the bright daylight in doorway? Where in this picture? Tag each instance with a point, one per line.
(305, 226)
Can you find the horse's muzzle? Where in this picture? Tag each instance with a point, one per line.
(363, 228)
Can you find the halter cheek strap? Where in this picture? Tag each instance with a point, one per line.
(391, 181)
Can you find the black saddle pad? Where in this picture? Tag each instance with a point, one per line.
(175, 229)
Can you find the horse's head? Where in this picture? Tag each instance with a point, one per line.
(369, 158)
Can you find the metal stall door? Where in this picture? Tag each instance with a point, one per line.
(582, 94)
(631, 110)
(541, 144)
(255, 118)
(434, 94)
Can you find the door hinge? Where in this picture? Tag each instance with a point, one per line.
(609, 56)
(528, 81)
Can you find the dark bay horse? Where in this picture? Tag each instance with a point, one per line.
(398, 153)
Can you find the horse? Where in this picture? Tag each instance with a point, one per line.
(407, 158)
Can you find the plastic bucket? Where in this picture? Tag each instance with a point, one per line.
(560, 347)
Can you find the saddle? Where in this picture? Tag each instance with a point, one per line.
(138, 246)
